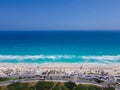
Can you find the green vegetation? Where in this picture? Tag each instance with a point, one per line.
(60, 86)
(18, 86)
(109, 88)
(87, 87)
(7, 79)
(70, 85)
(118, 80)
(42, 85)
(57, 87)
(3, 79)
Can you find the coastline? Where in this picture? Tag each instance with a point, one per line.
(110, 69)
(63, 64)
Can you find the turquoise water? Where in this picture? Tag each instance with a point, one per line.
(59, 47)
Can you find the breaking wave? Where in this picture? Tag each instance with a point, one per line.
(87, 59)
(34, 57)
(117, 57)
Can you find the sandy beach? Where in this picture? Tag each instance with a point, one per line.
(22, 68)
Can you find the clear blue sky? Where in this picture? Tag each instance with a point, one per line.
(59, 14)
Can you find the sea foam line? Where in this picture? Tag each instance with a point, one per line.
(107, 57)
(34, 57)
(55, 57)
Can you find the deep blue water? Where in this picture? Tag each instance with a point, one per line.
(60, 46)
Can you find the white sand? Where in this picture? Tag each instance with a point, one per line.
(23, 68)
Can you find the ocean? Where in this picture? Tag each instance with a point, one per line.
(60, 47)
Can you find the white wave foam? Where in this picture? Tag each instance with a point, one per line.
(103, 59)
(34, 57)
(117, 57)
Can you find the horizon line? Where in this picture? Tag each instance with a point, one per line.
(59, 29)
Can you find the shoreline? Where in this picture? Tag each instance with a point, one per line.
(23, 69)
(112, 70)
(62, 63)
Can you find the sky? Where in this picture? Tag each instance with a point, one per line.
(59, 14)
